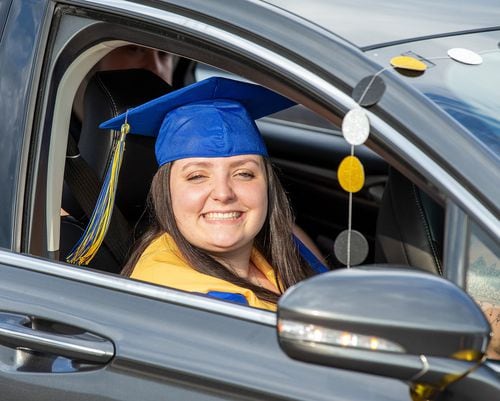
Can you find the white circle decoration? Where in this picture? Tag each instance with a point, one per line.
(356, 127)
(465, 56)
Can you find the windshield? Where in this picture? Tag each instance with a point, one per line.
(469, 93)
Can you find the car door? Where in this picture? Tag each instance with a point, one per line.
(147, 343)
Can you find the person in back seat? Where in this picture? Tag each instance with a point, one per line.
(223, 225)
(129, 57)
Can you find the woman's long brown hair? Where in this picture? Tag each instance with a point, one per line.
(274, 241)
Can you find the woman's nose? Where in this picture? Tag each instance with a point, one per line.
(222, 190)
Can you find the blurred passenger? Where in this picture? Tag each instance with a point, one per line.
(129, 57)
(134, 57)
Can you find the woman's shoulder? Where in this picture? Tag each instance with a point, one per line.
(161, 254)
(162, 263)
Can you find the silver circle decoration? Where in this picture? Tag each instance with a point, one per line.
(356, 127)
(465, 56)
(359, 248)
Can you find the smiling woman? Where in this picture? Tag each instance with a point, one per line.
(222, 222)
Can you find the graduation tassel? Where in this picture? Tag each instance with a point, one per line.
(88, 245)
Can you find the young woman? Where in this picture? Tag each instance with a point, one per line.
(222, 222)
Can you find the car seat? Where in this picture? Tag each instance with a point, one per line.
(108, 94)
(409, 226)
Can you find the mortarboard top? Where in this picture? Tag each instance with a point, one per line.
(211, 118)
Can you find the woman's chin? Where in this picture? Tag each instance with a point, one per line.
(228, 245)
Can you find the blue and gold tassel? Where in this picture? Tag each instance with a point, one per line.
(88, 245)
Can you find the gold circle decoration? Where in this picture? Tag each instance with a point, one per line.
(408, 63)
(351, 174)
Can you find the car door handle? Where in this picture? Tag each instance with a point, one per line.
(19, 331)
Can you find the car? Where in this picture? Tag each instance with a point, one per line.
(407, 321)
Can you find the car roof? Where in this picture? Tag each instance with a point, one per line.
(377, 23)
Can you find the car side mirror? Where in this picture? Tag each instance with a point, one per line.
(398, 323)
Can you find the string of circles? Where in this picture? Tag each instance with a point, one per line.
(351, 247)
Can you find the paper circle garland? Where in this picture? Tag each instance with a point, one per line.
(356, 127)
(369, 90)
(358, 248)
(351, 174)
(408, 63)
(465, 56)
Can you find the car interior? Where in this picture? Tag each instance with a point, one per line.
(403, 225)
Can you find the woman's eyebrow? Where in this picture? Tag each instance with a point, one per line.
(196, 164)
(203, 164)
(244, 161)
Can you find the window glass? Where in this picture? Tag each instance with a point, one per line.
(483, 280)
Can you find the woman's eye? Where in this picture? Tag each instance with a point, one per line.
(245, 174)
(195, 177)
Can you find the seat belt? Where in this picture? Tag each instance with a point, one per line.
(85, 187)
(317, 266)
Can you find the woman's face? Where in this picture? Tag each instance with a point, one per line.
(219, 204)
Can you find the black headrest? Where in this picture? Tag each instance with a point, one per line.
(108, 94)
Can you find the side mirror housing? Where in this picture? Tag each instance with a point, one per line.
(399, 323)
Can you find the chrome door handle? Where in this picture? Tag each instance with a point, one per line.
(18, 331)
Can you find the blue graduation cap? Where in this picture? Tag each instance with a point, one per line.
(211, 118)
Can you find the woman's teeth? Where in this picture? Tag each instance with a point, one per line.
(221, 216)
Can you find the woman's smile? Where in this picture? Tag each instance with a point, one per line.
(222, 216)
